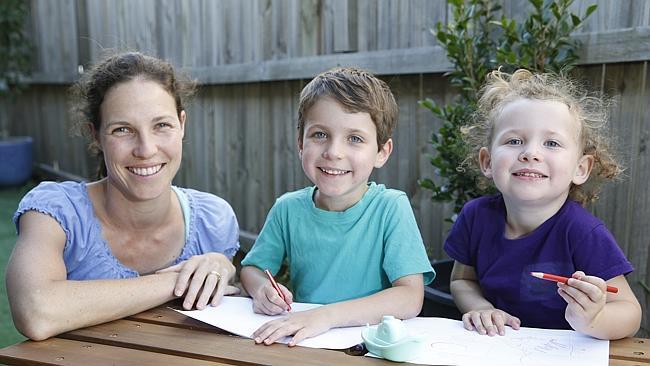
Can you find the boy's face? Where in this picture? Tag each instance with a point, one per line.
(339, 152)
(535, 153)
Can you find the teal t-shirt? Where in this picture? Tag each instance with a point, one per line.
(337, 256)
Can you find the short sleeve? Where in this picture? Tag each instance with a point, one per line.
(213, 226)
(57, 201)
(404, 248)
(457, 245)
(598, 254)
(269, 249)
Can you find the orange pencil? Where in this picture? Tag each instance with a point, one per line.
(556, 278)
(276, 287)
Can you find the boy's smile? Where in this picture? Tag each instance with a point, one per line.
(339, 152)
(535, 155)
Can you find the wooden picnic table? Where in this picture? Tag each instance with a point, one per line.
(161, 336)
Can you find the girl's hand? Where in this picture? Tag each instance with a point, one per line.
(301, 325)
(203, 278)
(266, 299)
(490, 322)
(585, 296)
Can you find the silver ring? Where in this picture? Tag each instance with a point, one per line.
(215, 273)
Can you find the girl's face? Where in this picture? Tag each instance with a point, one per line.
(339, 152)
(141, 138)
(535, 153)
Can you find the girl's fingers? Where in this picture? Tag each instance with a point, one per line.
(486, 320)
(577, 296)
(499, 323)
(467, 321)
(513, 321)
(477, 322)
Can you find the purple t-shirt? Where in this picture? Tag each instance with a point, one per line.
(569, 241)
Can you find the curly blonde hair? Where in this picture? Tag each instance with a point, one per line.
(590, 110)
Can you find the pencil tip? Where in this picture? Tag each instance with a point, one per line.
(537, 274)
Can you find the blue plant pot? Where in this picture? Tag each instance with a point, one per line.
(15, 160)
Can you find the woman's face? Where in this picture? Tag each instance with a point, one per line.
(141, 138)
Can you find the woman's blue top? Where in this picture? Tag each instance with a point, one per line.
(210, 226)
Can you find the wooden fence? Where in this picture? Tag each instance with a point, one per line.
(252, 58)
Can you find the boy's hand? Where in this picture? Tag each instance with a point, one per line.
(301, 325)
(267, 301)
(585, 296)
(490, 322)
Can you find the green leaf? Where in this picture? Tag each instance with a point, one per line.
(576, 20)
(590, 10)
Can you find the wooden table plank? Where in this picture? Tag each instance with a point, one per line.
(163, 315)
(196, 344)
(631, 349)
(57, 351)
(613, 362)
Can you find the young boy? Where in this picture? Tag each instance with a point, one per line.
(350, 244)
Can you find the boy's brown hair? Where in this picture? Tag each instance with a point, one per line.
(591, 111)
(357, 91)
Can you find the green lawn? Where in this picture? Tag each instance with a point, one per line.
(9, 198)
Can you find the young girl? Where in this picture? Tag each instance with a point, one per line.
(539, 138)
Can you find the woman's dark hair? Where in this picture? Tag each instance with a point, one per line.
(87, 94)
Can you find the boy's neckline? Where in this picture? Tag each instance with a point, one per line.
(371, 190)
(368, 186)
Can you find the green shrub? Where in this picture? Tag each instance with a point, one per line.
(15, 47)
(479, 39)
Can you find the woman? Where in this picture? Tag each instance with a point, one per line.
(88, 253)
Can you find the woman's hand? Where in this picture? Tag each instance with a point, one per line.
(490, 322)
(585, 296)
(203, 278)
(301, 325)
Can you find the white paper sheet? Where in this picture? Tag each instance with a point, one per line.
(448, 343)
(235, 315)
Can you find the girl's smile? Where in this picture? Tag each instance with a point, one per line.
(535, 155)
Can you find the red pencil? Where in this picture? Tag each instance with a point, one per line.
(556, 278)
(276, 287)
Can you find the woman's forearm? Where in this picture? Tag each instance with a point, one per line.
(43, 310)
